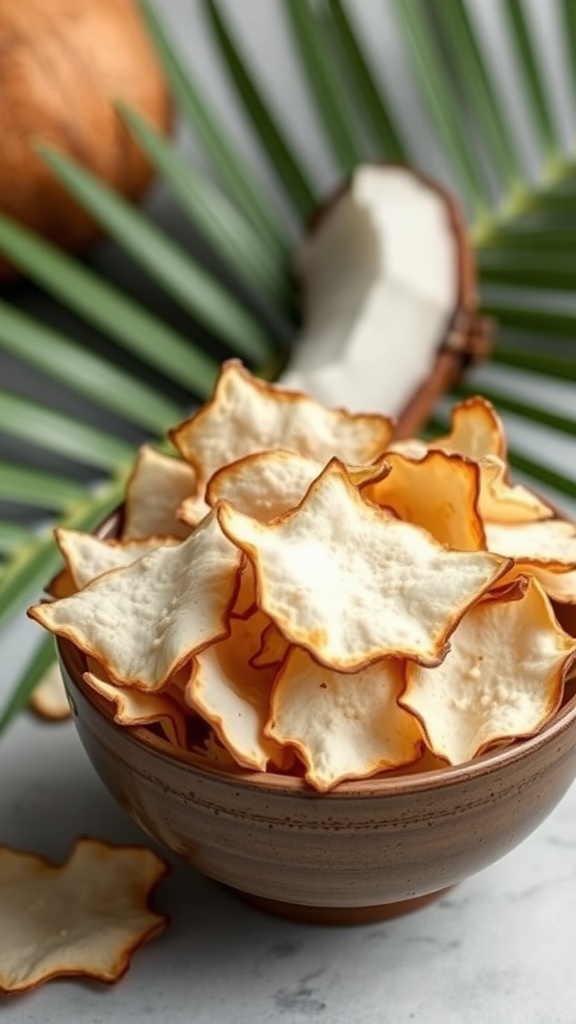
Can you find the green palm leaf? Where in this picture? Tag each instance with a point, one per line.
(125, 369)
(281, 153)
(232, 169)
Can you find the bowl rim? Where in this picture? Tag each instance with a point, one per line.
(500, 757)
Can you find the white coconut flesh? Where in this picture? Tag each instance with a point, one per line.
(380, 277)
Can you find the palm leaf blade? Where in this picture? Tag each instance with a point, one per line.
(325, 84)
(86, 373)
(385, 129)
(53, 431)
(107, 308)
(541, 268)
(182, 276)
(233, 170)
(12, 536)
(281, 154)
(233, 238)
(475, 81)
(437, 93)
(532, 318)
(539, 363)
(545, 475)
(36, 487)
(540, 110)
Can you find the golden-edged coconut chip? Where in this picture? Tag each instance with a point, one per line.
(501, 680)
(438, 492)
(268, 484)
(343, 725)
(550, 543)
(352, 584)
(476, 430)
(135, 708)
(156, 488)
(233, 696)
(86, 917)
(215, 752)
(88, 557)
(246, 415)
(560, 586)
(273, 648)
(503, 502)
(49, 699)
(144, 621)
(409, 447)
(62, 585)
(192, 510)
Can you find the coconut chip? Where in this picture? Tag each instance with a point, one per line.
(503, 502)
(88, 557)
(49, 699)
(246, 415)
(86, 917)
(268, 484)
(438, 493)
(550, 543)
(227, 691)
(156, 488)
(351, 584)
(343, 725)
(144, 621)
(476, 430)
(131, 707)
(501, 680)
(560, 586)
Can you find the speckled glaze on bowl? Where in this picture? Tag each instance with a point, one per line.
(367, 850)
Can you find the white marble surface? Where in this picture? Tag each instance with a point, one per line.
(498, 948)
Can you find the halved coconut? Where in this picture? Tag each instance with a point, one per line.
(389, 296)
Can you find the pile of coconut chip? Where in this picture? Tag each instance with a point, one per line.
(298, 593)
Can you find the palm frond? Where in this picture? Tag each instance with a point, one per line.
(145, 366)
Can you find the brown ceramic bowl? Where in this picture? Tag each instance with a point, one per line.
(367, 850)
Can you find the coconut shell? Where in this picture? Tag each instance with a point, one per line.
(63, 64)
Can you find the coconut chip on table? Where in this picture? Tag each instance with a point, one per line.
(84, 918)
(49, 699)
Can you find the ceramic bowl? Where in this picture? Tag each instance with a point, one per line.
(367, 850)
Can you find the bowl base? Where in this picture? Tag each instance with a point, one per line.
(337, 915)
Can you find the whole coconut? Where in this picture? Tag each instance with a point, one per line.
(63, 64)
